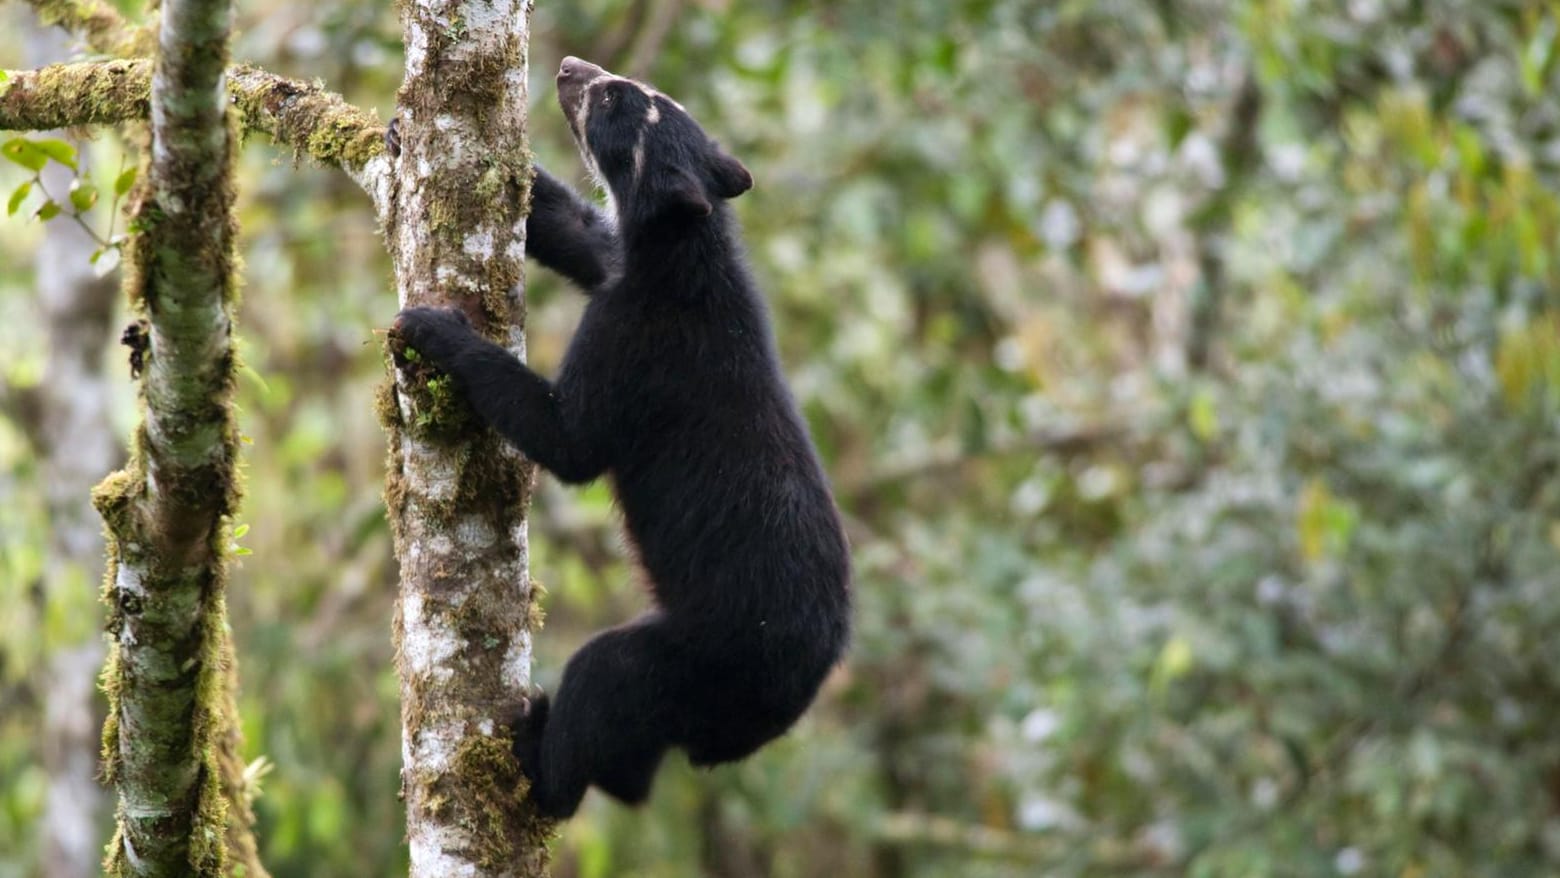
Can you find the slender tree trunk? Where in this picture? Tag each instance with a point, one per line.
(457, 495)
(170, 741)
(75, 441)
(1240, 154)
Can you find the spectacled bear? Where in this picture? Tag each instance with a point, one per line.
(671, 387)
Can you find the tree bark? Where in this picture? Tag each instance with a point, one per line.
(170, 743)
(457, 495)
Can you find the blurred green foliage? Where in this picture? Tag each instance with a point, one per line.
(1287, 612)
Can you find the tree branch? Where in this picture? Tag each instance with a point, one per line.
(317, 123)
(66, 95)
(1063, 442)
(104, 29)
(314, 122)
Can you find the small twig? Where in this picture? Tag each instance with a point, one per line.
(99, 24)
(1065, 442)
(74, 214)
(988, 841)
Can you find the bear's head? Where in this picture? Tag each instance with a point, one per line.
(653, 159)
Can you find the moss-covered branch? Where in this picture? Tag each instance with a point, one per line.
(314, 122)
(100, 24)
(170, 743)
(65, 95)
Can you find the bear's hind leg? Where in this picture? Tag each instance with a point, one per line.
(607, 724)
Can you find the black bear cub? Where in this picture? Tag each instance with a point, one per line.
(672, 387)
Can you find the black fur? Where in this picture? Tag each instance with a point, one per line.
(672, 387)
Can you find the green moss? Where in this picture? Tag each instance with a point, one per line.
(536, 613)
(492, 790)
(317, 123)
(439, 413)
(76, 94)
(109, 680)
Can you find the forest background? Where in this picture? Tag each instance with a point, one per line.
(1188, 373)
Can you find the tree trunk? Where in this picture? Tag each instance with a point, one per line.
(457, 495)
(171, 738)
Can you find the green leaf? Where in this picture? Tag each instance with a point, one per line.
(1175, 660)
(48, 211)
(82, 195)
(238, 532)
(125, 180)
(25, 153)
(241, 551)
(1202, 416)
(1324, 521)
(59, 150)
(17, 197)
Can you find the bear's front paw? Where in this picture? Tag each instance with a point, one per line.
(526, 726)
(431, 332)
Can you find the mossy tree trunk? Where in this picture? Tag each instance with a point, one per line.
(458, 495)
(170, 742)
(453, 208)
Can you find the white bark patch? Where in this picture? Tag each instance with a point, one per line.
(428, 841)
(416, 48)
(437, 471)
(129, 579)
(479, 244)
(474, 532)
(484, 17)
(437, 742)
(425, 648)
(375, 177)
(517, 663)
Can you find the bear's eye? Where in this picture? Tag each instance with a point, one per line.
(606, 99)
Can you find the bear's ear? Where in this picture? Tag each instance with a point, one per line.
(683, 196)
(731, 178)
